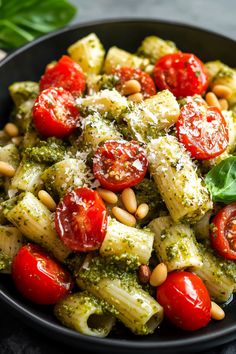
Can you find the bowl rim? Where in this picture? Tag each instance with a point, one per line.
(124, 20)
(120, 343)
(205, 340)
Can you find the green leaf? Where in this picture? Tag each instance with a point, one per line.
(25, 20)
(221, 181)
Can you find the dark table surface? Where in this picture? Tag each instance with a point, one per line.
(217, 15)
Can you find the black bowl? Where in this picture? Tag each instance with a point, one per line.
(28, 63)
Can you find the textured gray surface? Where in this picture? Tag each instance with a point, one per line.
(219, 16)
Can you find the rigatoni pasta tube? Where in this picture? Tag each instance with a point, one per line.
(97, 130)
(121, 239)
(175, 244)
(176, 177)
(89, 53)
(202, 227)
(153, 115)
(84, 313)
(34, 220)
(117, 57)
(10, 154)
(106, 102)
(134, 306)
(219, 284)
(28, 177)
(10, 242)
(64, 176)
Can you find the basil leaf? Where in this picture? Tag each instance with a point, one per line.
(221, 181)
(24, 20)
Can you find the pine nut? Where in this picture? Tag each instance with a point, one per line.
(17, 140)
(217, 313)
(107, 196)
(212, 100)
(47, 200)
(159, 275)
(11, 129)
(6, 169)
(222, 91)
(144, 273)
(136, 97)
(223, 104)
(130, 87)
(142, 211)
(123, 216)
(129, 200)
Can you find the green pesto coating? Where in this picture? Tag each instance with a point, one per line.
(9, 204)
(10, 154)
(51, 151)
(153, 48)
(22, 91)
(74, 261)
(107, 82)
(217, 274)
(225, 266)
(5, 261)
(22, 115)
(109, 268)
(147, 192)
(84, 300)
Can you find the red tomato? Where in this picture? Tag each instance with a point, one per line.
(202, 130)
(223, 234)
(147, 84)
(181, 73)
(186, 300)
(38, 277)
(81, 220)
(65, 73)
(55, 112)
(119, 164)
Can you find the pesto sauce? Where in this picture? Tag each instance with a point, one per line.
(51, 151)
(147, 192)
(109, 268)
(22, 91)
(5, 261)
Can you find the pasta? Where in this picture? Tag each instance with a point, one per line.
(110, 140)
(152, 116)
(28, 177)
(175, 244)
(134, 307)
(176, 177)
(121, 239)
(10, 242)
(33, 219)
(84, 313)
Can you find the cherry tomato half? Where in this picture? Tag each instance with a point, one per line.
(126, 73)
(186, 301)
(223, 234)
(55, 112)
(81, 220)
(38, 277)
(65, 73)
(181, 73)
(202, 130)
(119, 164)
